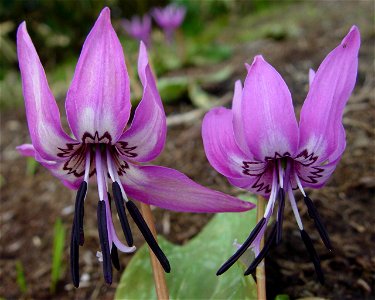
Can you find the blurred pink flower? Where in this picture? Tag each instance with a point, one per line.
(169, 18)
(138, 28)
(259, 146)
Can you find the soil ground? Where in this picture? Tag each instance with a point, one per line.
(31, 204)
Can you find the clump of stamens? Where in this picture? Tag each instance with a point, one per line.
(275, 236)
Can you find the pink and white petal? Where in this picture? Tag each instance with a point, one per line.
(170, 189)
(148, 129)
(26, 150)
(98, 99)
(29, 150)
(270, 124)
(56, 168)
(238, 125)
(321, 114)
(68, 179)
(43, 116)
(220, 145)
(260, 183)
(316, 175)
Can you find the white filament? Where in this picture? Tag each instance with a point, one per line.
(272, 198)
(99, 173)
(281, 174)
(294, 207)
(299, 184)
(87, 166)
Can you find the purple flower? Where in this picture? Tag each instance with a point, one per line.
(169, 18)
(259, 146)
(98, 108)
(138, 28)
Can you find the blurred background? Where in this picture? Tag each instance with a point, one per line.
(196, 70)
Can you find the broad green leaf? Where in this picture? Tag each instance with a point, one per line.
(194, 265)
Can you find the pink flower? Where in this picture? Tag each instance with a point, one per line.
(169, 18)
(98, 109)
(259, 146)
(138, 28)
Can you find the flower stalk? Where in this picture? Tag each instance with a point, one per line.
(261, 270)
(157, 270)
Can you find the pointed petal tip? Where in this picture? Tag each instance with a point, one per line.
(238, 84)
(106, 12)
(257, 59)
(142, 46)
(105, 16)
(352, 38)
(21, 31)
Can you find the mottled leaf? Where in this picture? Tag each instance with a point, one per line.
(194, 265)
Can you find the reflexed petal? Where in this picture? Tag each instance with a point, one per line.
(26, 150)
(29, 150)
(69, 180)
(321, 114)
(98, 99)
(56, 168)
(270, 124)
(42, 113)
(170, 189)
(148, 130)
(314, 172)
(316, 176)
(219, 144)
(260, 183)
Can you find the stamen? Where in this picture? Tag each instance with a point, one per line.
(313, 213)
(299, 184)
(243, 248)
(99, 172)
(79, 214)
(74, 258)
(87, 166)
(114, 175)
(280, 215)
(147, 234)
(313, 255)
(114, 257)
(272, 198)
(112, 236)
(110, 166)
(281, 174)
(104, 243)
(294, 208)
(119, 201)
(264, 252)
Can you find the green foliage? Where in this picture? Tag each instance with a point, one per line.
(57, 253)
(194, 265)
(21, 279)
(282, 297)
(31, 166)
(172, 88)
